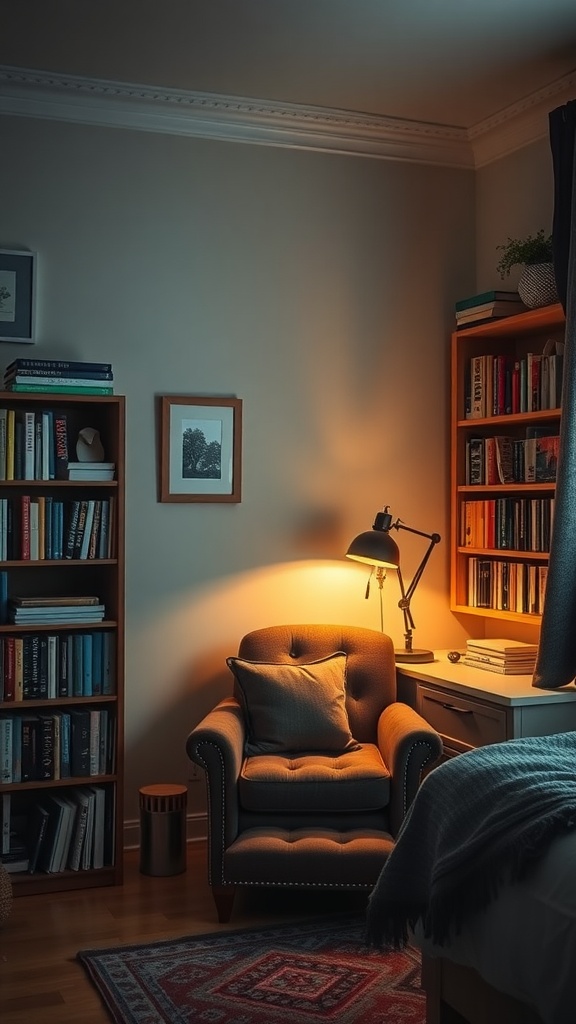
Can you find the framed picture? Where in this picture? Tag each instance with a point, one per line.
(17, 295)
(200, 449)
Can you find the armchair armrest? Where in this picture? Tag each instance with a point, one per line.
(217, 745)
(408, 744)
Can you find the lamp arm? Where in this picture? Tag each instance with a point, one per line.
(434, 539)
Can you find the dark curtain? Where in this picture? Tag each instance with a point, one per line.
(556, 661)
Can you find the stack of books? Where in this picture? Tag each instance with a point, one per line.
(59, 376)
(486, 306)
(33, 611)
(508, 657)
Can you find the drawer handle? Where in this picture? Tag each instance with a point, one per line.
(460, 711)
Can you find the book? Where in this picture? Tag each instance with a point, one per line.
(36, 833)
(509, 670)
(47, 382)
(489, 311)
(60, 445)
(5, 822)
(493, 295)
(80, 741)
(501, 646)
(91, 470)
(83, 799)
(59, 389)
(58, 818)
(39, 602)
(546, 459)
(58, 365)
(98, 829)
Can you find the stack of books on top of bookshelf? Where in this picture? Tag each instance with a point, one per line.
(509, 657)
(486, 306)
(32, 611)
(59, 376)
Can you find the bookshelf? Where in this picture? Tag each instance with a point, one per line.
(500, 530)
(94, 683)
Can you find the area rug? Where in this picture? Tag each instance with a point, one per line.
(314, 971)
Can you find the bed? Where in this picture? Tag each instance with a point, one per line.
(483, 879)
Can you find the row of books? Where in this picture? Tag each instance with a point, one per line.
(506, 586)
(35, 443)
(62, 376)
(507, 524)
(507, 657)
(44, 528)
(48, 746)
(497, 385)
(46, 666)
(72, 830)
(486, 306)
(501, 459)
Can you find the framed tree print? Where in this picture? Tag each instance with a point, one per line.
(200, 449)
(17, 295)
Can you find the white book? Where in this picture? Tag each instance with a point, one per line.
(501, 646)
(484, 666)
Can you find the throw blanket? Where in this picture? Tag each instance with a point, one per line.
(478, 820)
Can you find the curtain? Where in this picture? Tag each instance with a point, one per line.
(556, 660)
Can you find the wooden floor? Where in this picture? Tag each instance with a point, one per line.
(40, 980)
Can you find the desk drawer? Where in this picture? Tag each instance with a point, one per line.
(465, 722)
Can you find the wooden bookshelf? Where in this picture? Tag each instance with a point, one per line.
(101, 575)
(512, 337)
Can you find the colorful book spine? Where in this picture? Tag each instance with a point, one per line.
(61, 389)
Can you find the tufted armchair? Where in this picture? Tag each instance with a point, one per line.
(311, 763)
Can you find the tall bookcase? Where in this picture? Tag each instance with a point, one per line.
(99, 573)
(498, 568)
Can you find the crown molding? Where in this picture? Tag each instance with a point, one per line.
(41, 94)
(28, 93)
(520, 124)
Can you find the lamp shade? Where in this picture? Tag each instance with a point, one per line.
(375, 547)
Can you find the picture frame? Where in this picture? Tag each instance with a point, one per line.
(17, 296)
(200, 449)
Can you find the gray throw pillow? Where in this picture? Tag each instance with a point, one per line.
(291, 708)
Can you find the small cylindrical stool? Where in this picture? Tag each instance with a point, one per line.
(163, 829)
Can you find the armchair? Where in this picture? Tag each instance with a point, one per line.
(311, 763)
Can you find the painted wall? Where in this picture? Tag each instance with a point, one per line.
(515, 197)
(319, 289)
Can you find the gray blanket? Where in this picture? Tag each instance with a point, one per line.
(478, 820)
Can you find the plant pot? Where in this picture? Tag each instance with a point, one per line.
(537, 285)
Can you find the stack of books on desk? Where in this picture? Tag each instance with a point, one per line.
(67, 377)
(509, 657)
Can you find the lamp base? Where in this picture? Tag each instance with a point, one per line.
(414, 657)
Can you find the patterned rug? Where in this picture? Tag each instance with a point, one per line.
(305, 973)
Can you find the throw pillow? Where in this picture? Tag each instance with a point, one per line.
(292, 708)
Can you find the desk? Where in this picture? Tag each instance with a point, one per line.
(471, 707)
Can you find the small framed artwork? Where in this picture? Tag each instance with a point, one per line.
(200, 449)
(17, 295)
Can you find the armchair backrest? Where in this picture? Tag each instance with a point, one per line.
(370, 666)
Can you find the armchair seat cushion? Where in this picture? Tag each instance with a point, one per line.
(355, 781)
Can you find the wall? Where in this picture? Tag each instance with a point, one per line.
(514, 198)
(319, 289)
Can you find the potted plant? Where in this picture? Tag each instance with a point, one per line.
(537, 284)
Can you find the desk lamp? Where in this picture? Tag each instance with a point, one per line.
(377, 548)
